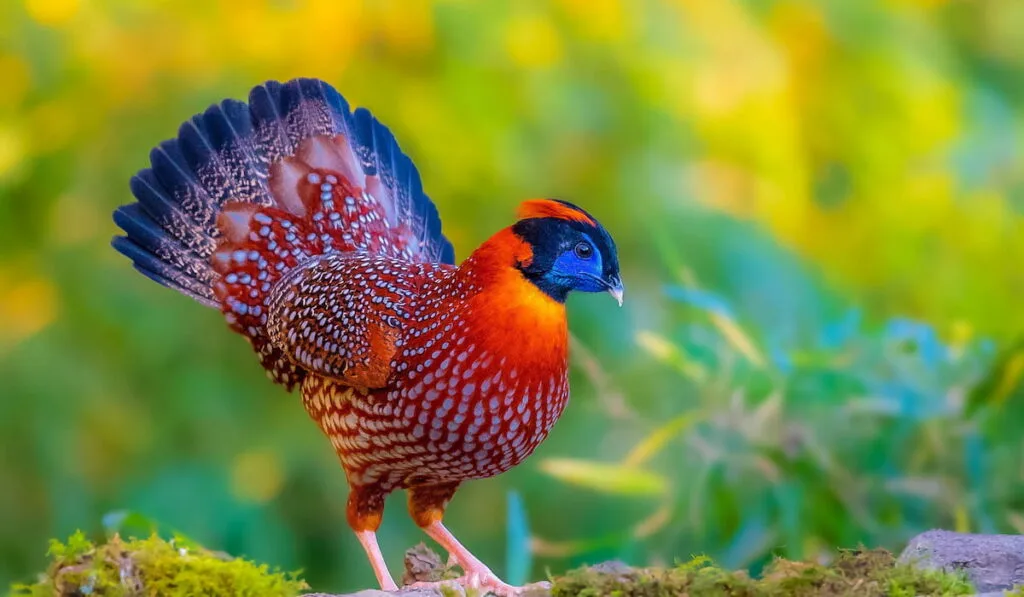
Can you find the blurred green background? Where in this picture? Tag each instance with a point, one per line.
(818, 207)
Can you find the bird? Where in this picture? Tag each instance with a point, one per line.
(307, 226)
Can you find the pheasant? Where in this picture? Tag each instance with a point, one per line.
(306, 225)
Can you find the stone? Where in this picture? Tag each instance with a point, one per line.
(992, 562)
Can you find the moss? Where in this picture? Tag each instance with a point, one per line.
(150, 567)
(153, 566)
(858, 573)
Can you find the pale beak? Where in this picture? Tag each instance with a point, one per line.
(616, 292)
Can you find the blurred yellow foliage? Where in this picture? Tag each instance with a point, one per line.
(11, 150)
(27, 305)
(51, 12)
(779, 100)
(257, 476)
(533, 42)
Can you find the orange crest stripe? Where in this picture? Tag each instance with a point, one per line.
(549, 208)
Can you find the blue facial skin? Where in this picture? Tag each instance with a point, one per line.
(570, 255)
(579, 268)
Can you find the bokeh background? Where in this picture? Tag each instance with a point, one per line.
(818, 207)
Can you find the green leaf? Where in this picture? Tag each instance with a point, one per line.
(604, 477)
(128, 523)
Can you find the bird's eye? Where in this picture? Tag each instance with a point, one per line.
(583, 250)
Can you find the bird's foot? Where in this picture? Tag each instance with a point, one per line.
(477, 578)
(483, 582)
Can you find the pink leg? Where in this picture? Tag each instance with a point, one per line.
(426, 505)
(369, 541)
(478, 576)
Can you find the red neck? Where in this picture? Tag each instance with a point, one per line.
(508, 312)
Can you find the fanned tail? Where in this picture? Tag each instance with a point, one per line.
(237, 173)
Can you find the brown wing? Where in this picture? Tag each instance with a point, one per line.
(342, 316)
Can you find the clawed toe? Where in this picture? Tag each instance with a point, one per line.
(478, 578)
(486, 584)
(434, 585)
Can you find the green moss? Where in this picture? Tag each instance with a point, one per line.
(859, 573)
(153, 566)
(150, 567)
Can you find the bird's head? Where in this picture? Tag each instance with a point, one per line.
(570, 250)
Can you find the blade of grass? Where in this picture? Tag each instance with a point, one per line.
(607, 478)
(661, 349)
(655, 442)
(737, 338)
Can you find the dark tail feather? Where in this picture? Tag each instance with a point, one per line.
(152, 251)
(225, 154)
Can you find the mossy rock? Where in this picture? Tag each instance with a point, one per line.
(152, 567)
(855, 573)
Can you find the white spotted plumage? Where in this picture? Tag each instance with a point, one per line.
(381, 343)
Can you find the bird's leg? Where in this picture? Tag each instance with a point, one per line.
(380, 568)
(426, 505)
(477, 574)
(364, 511)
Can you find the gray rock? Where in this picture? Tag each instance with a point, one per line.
(992, 562)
